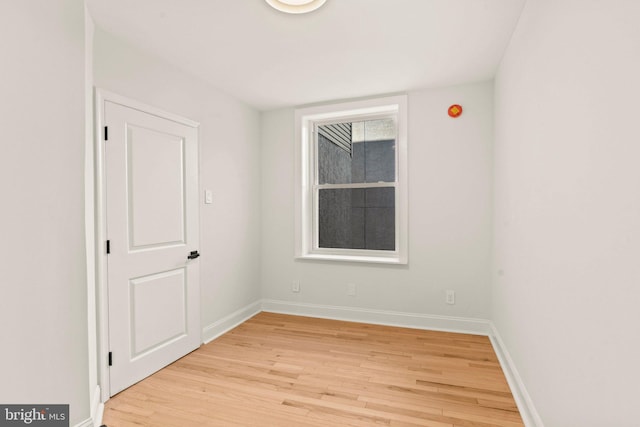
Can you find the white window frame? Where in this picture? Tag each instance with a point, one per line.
(306, 189)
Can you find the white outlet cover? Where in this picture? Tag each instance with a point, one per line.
(451, 297)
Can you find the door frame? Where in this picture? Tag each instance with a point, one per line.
(102, 296)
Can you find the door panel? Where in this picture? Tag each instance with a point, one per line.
(152, 224)
(158, 310)
(156, 182)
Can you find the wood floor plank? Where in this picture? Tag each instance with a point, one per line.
(288, 371)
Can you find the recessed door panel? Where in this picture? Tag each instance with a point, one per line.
(158, 310)
(155, 165)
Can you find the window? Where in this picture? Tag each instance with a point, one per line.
(351, 181)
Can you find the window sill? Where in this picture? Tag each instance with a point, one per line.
(353, 258)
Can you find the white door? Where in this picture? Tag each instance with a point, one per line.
(151, 176)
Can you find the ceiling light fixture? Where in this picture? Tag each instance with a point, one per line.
(296, 6)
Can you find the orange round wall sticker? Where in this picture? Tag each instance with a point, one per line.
(455, 110)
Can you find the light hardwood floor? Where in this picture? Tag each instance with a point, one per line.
(287, 371)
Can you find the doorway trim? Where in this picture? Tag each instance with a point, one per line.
(102, 298)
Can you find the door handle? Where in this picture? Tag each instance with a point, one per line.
(193, 255)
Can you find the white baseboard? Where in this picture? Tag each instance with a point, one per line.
(527, 410)
(214, 330)
(381, 317)
(97, 408)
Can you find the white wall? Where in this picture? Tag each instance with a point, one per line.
(229, 166)
(449, 215)
(567, 212)
(43, 306)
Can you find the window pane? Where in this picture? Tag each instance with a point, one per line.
(357, 152)
(362, 218)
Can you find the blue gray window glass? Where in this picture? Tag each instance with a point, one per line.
(357, 218)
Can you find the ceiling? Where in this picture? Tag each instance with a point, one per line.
(346, 49)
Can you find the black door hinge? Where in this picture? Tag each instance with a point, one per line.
(106, 133)
(108, 246)
(110, 358)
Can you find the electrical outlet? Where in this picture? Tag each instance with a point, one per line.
(451, 297)
(351, 289)
(295, 286)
